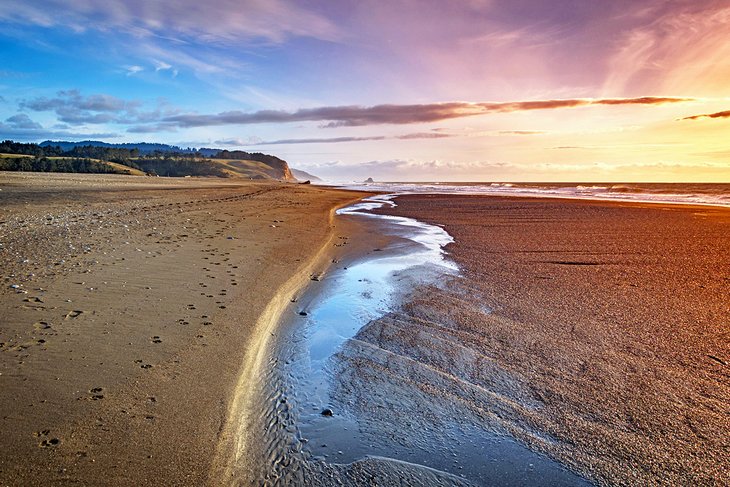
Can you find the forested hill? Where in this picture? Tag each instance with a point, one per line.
(141, 147)
(155, 159)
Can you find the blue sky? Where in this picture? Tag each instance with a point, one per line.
(405, 89)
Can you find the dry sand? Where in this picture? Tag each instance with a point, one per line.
(595, 332)
(129, 310)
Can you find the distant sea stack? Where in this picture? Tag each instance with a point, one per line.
(369, 180)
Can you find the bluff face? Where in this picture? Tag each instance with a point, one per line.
(279, 167)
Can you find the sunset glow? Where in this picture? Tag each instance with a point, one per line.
(480, 90)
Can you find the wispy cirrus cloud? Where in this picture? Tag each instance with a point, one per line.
(723, 114)
(674, 46)
(134, 69)
(350, 116)
(212, 21)
(163, 66)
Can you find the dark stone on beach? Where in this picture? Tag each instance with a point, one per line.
(327, 412)
(302, 313)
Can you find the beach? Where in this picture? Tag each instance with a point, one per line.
(594, 332)
(154, 331)
(129, 306)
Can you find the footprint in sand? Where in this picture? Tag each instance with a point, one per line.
(73, 314)
(42, 325)
(96, 393)
(47, 442)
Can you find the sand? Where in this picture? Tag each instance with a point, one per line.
(130, 311)
(595, 332)
(139, 316)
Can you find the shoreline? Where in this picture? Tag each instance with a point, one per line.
(242, 426)
(706, 194)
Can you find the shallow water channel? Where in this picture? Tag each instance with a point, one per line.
(333, 313)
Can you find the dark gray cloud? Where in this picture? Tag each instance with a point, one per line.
(37, 133)
(74, 99)
(22, 121)
(74, 108)
(339, 116)
(22, 127)
(723, 114)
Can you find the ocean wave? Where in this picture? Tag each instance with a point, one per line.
(713, 194)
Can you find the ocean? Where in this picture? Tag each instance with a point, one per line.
(714, 194)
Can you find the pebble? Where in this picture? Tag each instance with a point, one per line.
(327, 412)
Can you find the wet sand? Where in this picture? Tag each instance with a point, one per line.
(348, 401)
(597, 333)
(132, 310)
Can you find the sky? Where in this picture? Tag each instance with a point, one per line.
(403, 90)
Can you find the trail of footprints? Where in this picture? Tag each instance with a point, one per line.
(110, 218)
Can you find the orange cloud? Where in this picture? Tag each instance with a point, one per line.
(339, 116)
(723, 114)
